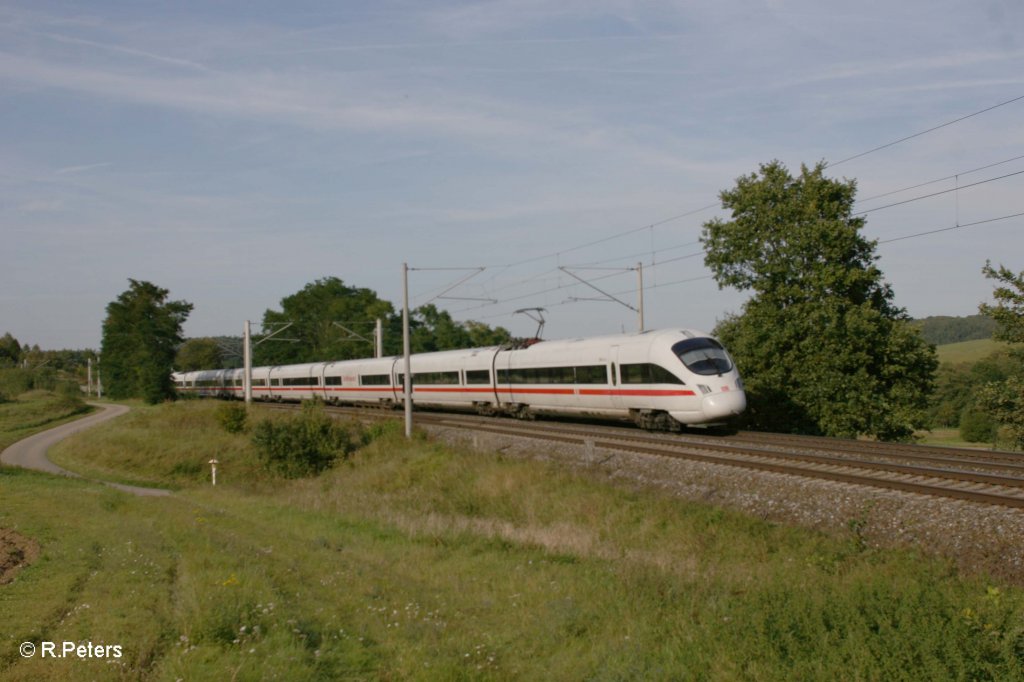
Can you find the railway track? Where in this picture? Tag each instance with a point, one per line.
(986, 478)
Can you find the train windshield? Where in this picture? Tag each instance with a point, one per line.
(703, 356)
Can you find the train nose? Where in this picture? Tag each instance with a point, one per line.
(724, 404)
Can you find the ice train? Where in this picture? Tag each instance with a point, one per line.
(657, 379)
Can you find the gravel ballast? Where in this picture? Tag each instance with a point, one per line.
(977, 538)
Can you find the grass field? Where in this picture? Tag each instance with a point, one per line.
(968, 351)
(417, 561)
(34, 412)
(949, 437)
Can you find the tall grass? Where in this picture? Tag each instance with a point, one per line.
(28, 412)
(418, 561)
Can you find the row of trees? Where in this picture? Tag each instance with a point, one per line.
(330, 319)
(15, 354)
(944, 329)
(25, 367)
(142, 334)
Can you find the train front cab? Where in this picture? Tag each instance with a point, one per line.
(716, 378)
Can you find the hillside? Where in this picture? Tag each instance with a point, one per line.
(968, 351)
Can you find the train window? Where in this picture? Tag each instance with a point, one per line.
(259, 382)
(587, 374)
(332, 381)
(375, 380)
(302, 381)
(478, 376)
(703, 356)
(592, 374)
(275, 382)
(646, 373)
(435, 377)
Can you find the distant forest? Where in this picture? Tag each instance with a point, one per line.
(942, 329)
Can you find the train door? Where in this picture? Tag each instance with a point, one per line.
(397, 388)
(502, 388)
(618, 400)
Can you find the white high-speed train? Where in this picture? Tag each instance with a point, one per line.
(658, 379)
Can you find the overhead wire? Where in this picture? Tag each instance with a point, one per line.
(935, 194)
(924, 132)
(937, 180)
(959, 226)
(650, 226)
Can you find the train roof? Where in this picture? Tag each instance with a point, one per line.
(649, 335)
(619, 339)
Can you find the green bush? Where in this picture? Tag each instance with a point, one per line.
(977, 426)
(305, 444)
(15, 381)
(70, 395)
(232, 417)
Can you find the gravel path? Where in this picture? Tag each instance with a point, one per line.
(30, 453)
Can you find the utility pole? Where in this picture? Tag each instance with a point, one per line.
(88, 384)
(640, 293)
(407, 380)
(378, 346)
(247, 361)
(247, 346)
(407, 353)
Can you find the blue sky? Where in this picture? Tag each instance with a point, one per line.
(234, 151)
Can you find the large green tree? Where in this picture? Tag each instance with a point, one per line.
(323, 316)
(821, 345)
(432, 329)
(333, 321)
(201, 353)
(10, 351)
(1004, 399)
(141, 333)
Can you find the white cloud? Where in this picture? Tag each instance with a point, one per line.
(67, 170)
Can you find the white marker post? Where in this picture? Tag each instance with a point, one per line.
(213, 470)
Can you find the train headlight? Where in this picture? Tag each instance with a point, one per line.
(704, 389)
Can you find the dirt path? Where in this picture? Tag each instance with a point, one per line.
(30, 453)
